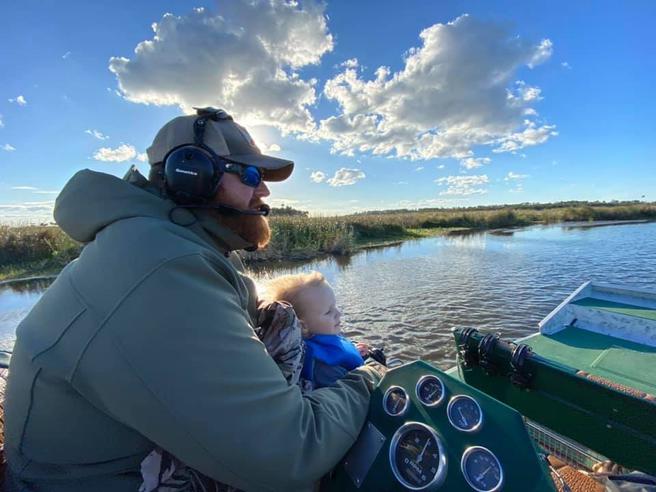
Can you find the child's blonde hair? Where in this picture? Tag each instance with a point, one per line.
(289, 288)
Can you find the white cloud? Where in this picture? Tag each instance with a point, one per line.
(419, 168)
(346, 177)
(119, 154)
(441, 166)
(450, 95)
(566, 65)
(474, 162)
(26, 212)
(350, 63)
(269, 148)
(463, 185)
(66, 55)
(35, 190)
(542, 54)
(96, 134)
(20, 100)
(1, 123)
(529, 136)
(511, 176)
(318, 176)
(8, 147)
(142, 157)
(251, 53)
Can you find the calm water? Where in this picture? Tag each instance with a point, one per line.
(408, 297)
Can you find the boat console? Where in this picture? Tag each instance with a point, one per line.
(427, 430)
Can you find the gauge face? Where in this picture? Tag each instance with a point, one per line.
(481, 469)
(464, 413)
(417, 456)
(430, 390)
(395, 401)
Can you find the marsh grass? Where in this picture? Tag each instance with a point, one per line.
(34, 250)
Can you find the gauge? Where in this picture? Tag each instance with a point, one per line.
(464, 413)
(430, 390)
(395, 401)
(417, 456)
(481, 469)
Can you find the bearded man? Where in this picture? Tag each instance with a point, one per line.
(146, 341)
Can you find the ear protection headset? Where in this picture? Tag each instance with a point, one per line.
(192, 172)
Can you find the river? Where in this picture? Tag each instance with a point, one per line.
(408, 297)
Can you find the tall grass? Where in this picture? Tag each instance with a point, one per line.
(297, 236)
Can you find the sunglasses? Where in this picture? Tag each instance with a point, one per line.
(249, 175)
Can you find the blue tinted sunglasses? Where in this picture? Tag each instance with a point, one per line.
(249, 175)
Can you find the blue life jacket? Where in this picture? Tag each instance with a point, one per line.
(332, 350)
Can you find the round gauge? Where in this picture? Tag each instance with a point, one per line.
(481, 469)
(395, 401)
(417, 456)
(464, 413)
(430, 390)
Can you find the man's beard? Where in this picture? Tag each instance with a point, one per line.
(253, 229)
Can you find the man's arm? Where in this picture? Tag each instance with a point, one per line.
(180, 363)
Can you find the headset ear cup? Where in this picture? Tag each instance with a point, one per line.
(191, 174)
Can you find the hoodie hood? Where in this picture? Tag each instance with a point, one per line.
(91, 201)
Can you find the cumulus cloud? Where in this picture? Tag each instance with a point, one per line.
(1, 123)
(270, 148)
(8, 147)
(20, 100)
(245, 60)
(346, 177)
(511, 176)
(318, 176)
(463, 185)
(452, 94)
(121, 153)
(142, 157)
(96, 134)
(419, 168)
(529, 136)
(474, 162)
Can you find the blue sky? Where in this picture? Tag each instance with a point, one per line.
(380, 104)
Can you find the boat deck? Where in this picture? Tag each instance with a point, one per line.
(621, 361)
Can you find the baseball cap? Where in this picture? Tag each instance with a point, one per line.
(224, 136)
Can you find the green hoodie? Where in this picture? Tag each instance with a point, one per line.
(147, 340)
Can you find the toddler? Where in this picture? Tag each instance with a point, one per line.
(328, 355)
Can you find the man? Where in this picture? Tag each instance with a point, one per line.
(147, 339)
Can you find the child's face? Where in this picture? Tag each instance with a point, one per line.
(320, 314)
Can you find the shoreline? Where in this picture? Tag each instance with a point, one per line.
(49, 269)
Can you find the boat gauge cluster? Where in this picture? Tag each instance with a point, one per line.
(427, 430)
(417, 452)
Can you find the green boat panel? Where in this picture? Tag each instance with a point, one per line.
(549, 389)
(617, 307)
(621, 361)
(367, 466)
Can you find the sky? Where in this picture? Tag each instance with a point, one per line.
(381, 104)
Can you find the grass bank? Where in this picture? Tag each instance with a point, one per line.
(31, 251)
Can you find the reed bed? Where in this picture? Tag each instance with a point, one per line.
(29, 249)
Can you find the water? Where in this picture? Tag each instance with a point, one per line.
(408, 297)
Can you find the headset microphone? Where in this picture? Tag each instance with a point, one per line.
(262, 210)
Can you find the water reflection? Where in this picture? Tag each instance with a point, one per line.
(409, 296)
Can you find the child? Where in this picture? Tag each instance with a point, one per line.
(328, 355)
